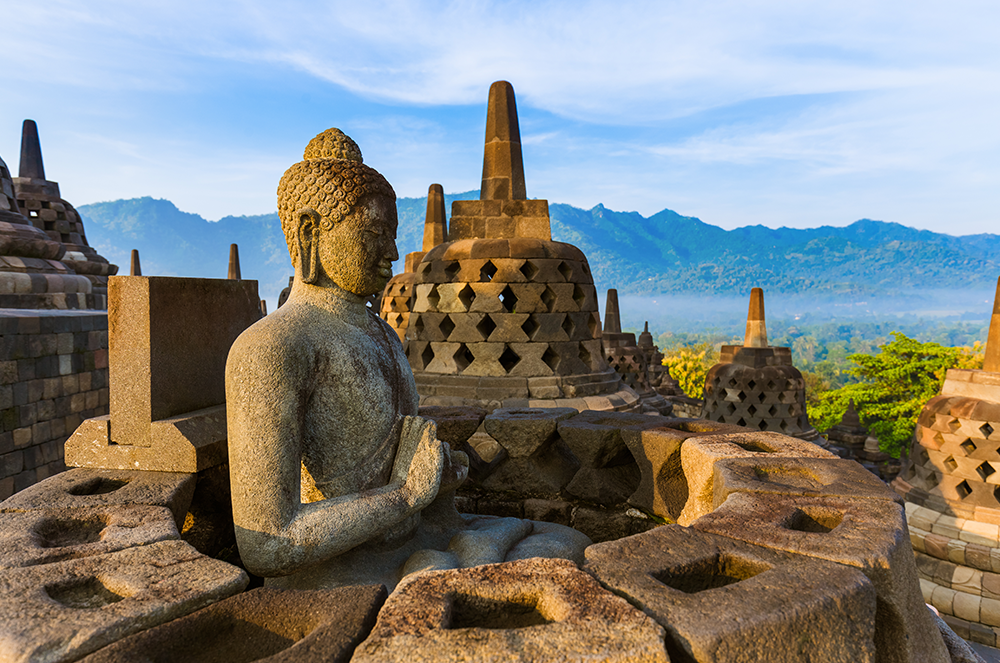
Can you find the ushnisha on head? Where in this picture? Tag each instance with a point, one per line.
(339, 217)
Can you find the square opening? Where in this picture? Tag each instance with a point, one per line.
(712, 572)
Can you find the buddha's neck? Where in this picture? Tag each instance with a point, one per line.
(331, 297)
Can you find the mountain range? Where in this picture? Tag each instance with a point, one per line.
(664, 253)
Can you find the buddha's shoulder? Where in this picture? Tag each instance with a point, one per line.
(289, 330)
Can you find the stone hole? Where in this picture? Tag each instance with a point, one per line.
(471, 611)
(985, 470)
(761, 396)
(423, 267)
(797, 477)
(62, 532)
(61, 216)
(783, 425)
(486, 326)
(741, 397)
(771, 385)
(815, 520)
(954, 424)
(762, 425)
(732, 382)
(463, 357)
(452, 269)
(963, 489)
(97, 486)
(996, 494)
(773, 410)
(751, 410)
(433, 298)
(467, 295)
(565, 270)
(579, 296)
(549, 299)
(87, 593)
(731, 408)
(968, 446)
(568, 326)
(741, 422)
(950, 463)
(754, 446)
(488, 271)
(447, 326)
(427, 356)
(711, 572)
(551, 359)
(751, 384)
(986, 430)
(45, 204)
(923, 456)
(528, 269)
(508, 300)
(418, 325)
(592, 324)
(509, 359)
(529, 326)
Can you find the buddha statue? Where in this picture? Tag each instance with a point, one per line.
(335, 480)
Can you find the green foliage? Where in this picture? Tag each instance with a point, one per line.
(688, 365)
(893, 386)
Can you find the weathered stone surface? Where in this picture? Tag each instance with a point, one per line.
(958, 649)
(83, 488)
(267, 625)
(531, 610)
(724, 600)
(62, 611)
(797, 476)
(596, 438)
(870, 535)
(28, 538)
(524, 431)
(699, 455)
(545, 473)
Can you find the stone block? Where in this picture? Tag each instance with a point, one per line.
(545, 473)
(279, 626)
(699, 455)
(608, 524)
(28, 538)
(596, 439)
(528, 610)
(523, 432)
(869, 535)
(65, 610)
(725, 600)
(83, 488)
(797, 476)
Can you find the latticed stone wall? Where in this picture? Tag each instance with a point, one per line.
(397, 301)
(498, 307)
(768, 398)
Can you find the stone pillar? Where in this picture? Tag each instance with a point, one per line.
(756, 333)
(435, 224)
(503, 168)
(135, 269)
(612, 320)
(234, 262)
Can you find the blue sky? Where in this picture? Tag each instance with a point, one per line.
(772, 112)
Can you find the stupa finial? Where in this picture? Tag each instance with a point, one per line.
(435, 226)
(992, 360)
(234, 262)
(503, 168)
(31, 152)
(612, 321)
(135, 269)
(756, 334)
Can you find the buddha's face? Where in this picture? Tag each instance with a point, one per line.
(357, 253)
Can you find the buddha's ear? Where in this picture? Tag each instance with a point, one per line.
(308, 229)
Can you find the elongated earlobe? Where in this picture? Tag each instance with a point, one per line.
(308, 245)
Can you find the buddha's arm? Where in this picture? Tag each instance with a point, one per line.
(266, 394)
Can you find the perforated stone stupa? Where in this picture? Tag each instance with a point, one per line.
(40, 201)
(632, 362)
(501, 312)
(755, 384)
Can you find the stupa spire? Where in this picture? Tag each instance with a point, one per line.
(612, 321)
(503, 168)
(135, 269)
(992, 361)
(31, 152)
(756, 334)
(234, 262)
(435, 226)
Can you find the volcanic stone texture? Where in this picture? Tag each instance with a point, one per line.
(529, 610)
(265, 625)
(723, 600)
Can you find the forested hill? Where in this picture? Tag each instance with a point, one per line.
(663, 253)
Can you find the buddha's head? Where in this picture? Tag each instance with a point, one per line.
(339, 217)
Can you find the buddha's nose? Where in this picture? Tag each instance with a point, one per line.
(393, 254)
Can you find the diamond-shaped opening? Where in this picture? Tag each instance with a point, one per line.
(954, 424)
(463, 357)
(551, 359)
(751, 384)
(568, 326)
(783, 425)
(762, 425)
(923, 456)
(773, 410)
(487, 271)
(986, 430)
(761, 397)
(968, 446)
(579, 296)
(996, 494)
(741, 422)
(433, 298)
(592, 324)
(565, 270)
(452, 269)
(508, 300)
(467, 295)
(741, 396)
(509, 359)
(427, 356)
(423, 267)
(771, 385)
(985, 470)
(731, 408)
(751, 410)
(529, 270)
(529, 326)
(963, 490)
(486, 327)
(732, 382)
(418, 325)
(549, 299)
(447, 326)
(938, 439)
(950, 463)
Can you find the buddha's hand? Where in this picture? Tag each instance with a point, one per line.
(420, 458)
(456, 469)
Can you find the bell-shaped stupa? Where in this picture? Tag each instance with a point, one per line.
(502, 314)
(632, 359)
(40, 201)
(755, 384)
